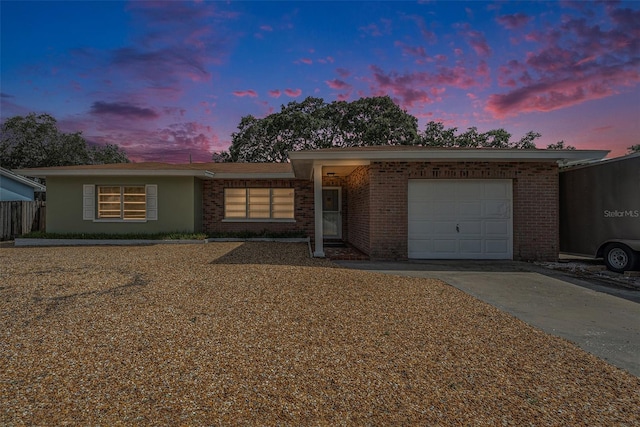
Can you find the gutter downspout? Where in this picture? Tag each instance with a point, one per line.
(317, 207)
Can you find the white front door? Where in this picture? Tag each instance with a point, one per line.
(331, 213)
(460, 219)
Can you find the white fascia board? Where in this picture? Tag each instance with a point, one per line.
(31, 183)
(113, 172)
(342, 162)
(233, 175)
(475, 154)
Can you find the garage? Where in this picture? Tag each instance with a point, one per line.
(460, 219)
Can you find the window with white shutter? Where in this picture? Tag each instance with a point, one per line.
(88, 202)
(120, 202)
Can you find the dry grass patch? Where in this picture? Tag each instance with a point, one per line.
(259, 333)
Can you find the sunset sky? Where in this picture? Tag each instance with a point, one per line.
(166, 80)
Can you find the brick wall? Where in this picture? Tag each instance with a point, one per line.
(388, 210)
(374, 202)
(535, 203)
(213, 205)
(358, 214)
(536, 234)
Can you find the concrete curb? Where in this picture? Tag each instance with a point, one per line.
(22, 242)
(260, 239)
(99, 242)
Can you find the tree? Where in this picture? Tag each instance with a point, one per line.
(435, 135)
(34, 141)
(221, 157)
(313, 124)
(634, 149)
(107, 154)
(526, 142)
(560, 146)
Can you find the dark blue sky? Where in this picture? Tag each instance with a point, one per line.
(166, 80)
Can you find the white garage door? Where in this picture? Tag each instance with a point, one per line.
(460, 219)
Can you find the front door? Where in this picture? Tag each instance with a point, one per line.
(331, 213)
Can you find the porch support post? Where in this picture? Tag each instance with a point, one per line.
(317, 204)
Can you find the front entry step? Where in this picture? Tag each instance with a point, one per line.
(345, 252)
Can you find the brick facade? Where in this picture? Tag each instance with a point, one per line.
(359, 207)
(374, 204)
(535, 203)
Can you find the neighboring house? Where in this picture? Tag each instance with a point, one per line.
(390, 202)
(14, 187)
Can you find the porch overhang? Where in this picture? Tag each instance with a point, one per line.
(304, 162)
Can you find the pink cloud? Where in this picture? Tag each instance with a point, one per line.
(307, 61)
(508, 73)
(183, 49)
(327, 60)
(417, 51)
(123, 110)
(426, 33)
(420, 87)
(241, 93)
(293, 93)
(479, 44)
(514, 21)
(552, 94)
(576, 63)
(343, 72)
(274, 93)
(372, 30)
(337, 84)
(266, 28)
(142, 140)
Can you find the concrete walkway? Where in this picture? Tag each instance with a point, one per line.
(605, 325)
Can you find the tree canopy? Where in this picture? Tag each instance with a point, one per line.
(314, 124)
(35, 141)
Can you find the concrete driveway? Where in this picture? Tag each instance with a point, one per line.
(603, 320)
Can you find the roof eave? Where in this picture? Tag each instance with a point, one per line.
(26, 181)
(303, 162)
(43, 173)
(474, 154)
(254, 175)
(205, 174)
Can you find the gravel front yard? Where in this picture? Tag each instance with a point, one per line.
(230, 333)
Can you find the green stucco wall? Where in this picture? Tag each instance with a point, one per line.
(179, 205)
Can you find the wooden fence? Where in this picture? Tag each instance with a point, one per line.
(17, 218)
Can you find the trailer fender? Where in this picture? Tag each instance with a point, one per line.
(632, 244)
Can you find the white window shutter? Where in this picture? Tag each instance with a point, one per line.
(88, 202)
(152, 202)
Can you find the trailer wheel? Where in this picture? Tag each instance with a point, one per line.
(619, 257)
